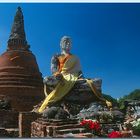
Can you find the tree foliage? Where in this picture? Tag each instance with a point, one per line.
(110, 98)
(134, 95)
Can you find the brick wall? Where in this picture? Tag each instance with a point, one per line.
(8, 119)
(54, 128)
(25, 119)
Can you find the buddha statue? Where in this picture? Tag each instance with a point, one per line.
(67, 80)
(59, 67)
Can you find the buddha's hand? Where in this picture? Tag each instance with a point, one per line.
(59, 76)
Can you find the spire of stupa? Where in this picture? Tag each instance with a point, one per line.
(17, 39)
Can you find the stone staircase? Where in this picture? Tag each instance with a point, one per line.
(58, 128)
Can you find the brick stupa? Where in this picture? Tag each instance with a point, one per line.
(20, 79)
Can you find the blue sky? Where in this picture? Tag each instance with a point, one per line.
(106, 38)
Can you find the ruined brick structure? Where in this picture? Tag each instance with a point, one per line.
(20, 79)
(57, 128)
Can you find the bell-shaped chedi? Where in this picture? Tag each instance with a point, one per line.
(20, 79)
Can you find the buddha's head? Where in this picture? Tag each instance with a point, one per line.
(65, 44)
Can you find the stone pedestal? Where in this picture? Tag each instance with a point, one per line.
(25, 119)
(8, 119)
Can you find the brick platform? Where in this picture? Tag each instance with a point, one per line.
(13, 132)
(8, 119)
(57, 128)
(25, 119)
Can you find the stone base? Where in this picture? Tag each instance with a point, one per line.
(13, 132)
(55, 128)
(25, 119)
(8, 119)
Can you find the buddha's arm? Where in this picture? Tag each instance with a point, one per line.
(54, 64)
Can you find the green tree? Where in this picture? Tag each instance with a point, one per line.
(111, 99)
(134, 95)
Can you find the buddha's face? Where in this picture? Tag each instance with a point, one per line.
(65, 45)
